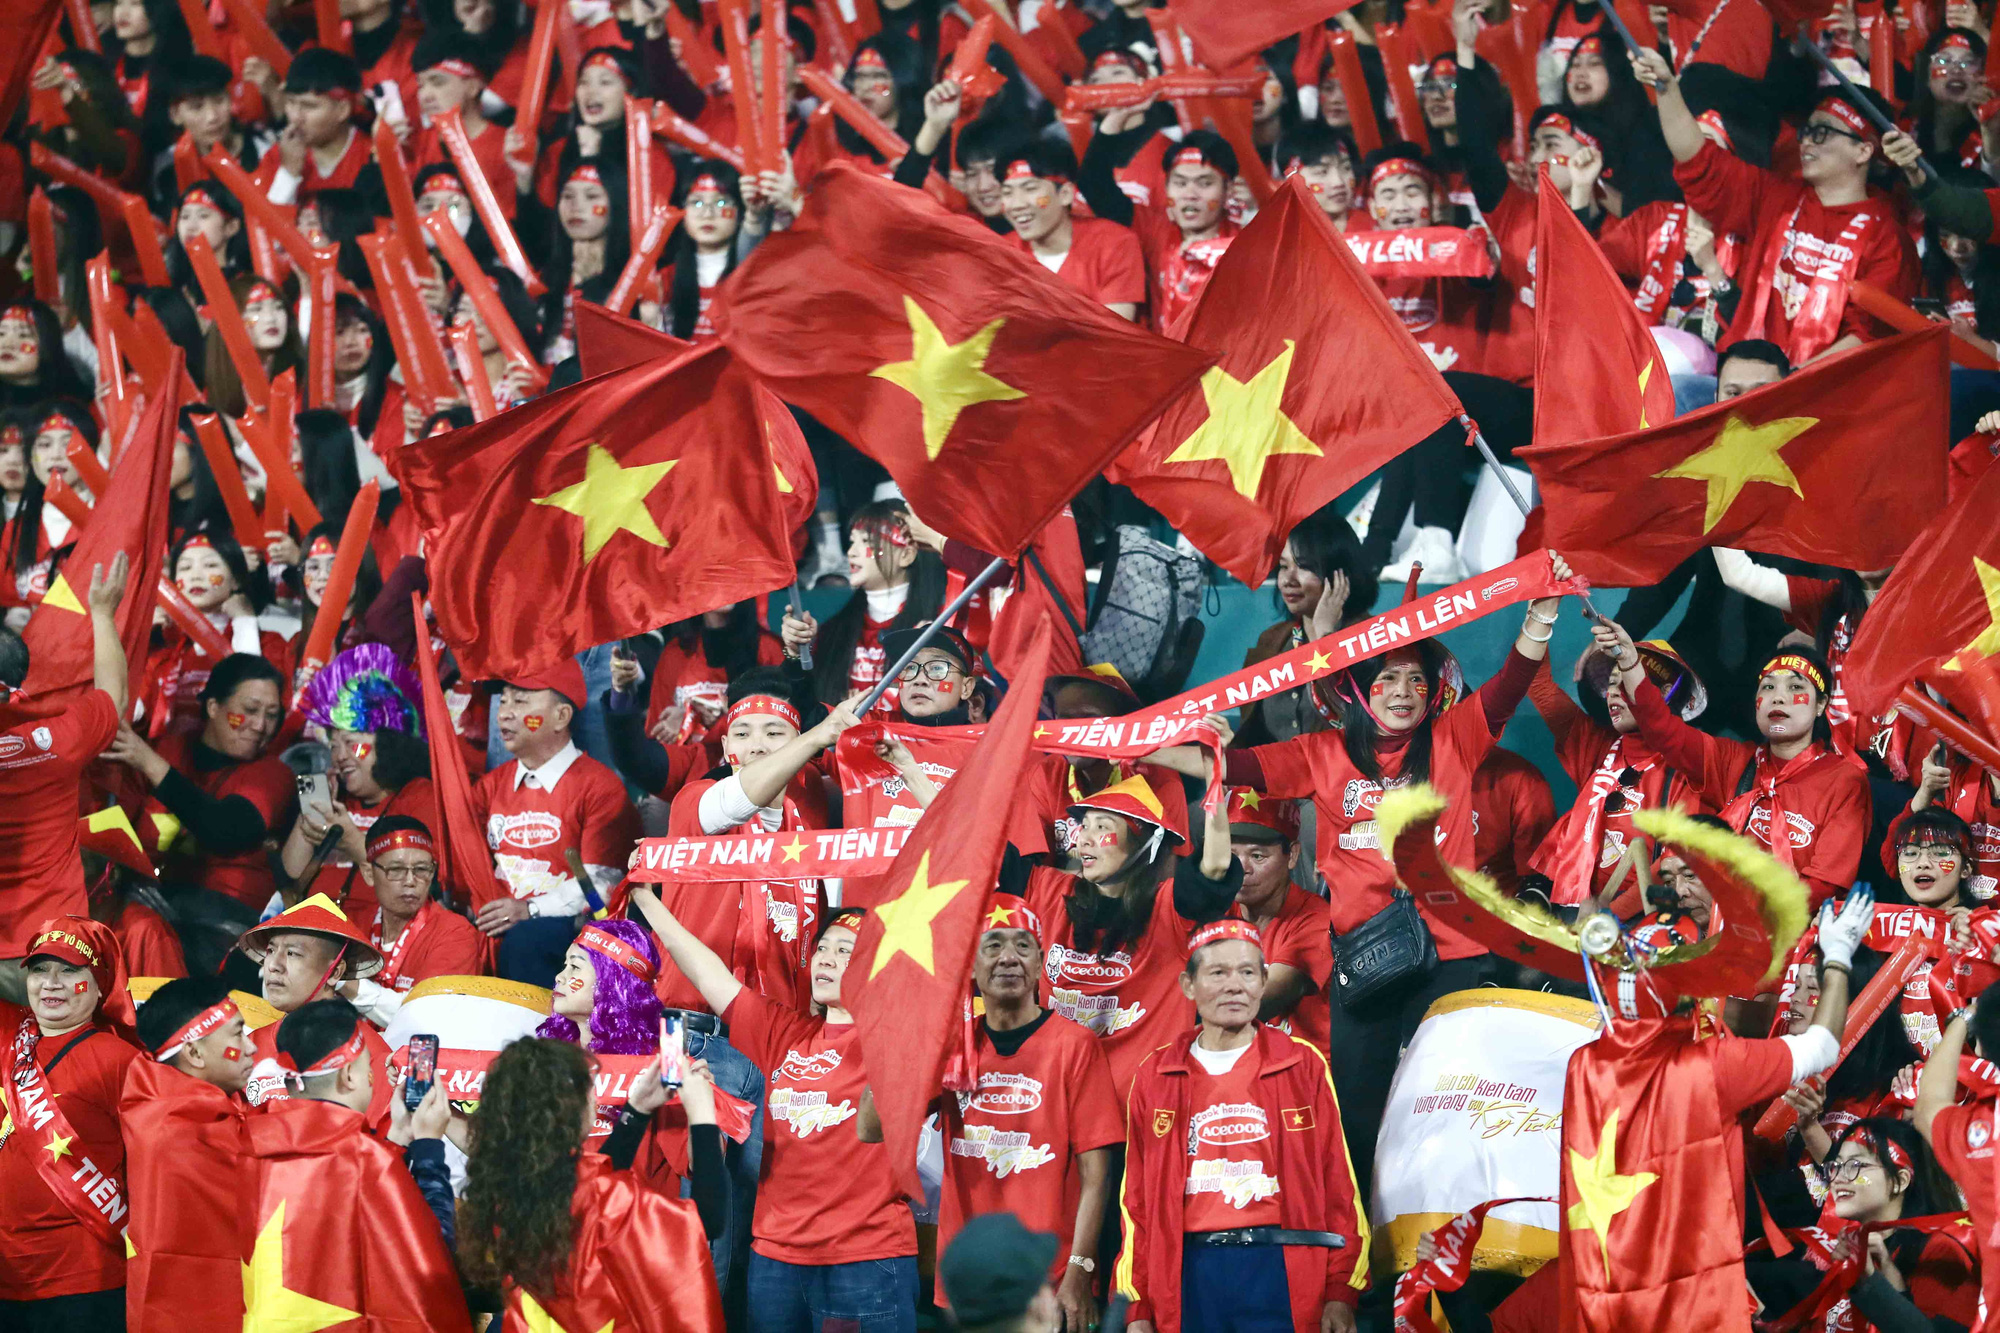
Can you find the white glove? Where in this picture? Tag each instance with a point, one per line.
(1840, 932)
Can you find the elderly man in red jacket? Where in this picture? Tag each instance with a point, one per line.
(1241, 1208)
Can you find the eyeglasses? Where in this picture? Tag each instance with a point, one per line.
(935, 669)
(1818, 132)
(1847, 1168)
(1944, 64)
(1933, 851)
(414, 874)
(711, 205)
(1432, 87)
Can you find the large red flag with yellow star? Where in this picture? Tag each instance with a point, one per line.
(1841, 463)
(908, 983)
(1939, 613)
(1597, 369)
(607, 509)
(1318, 386)
(990, 390)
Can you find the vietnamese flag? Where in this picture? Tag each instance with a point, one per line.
(606, 509)
(131, 516)
(606, 341)
(1841, 463)
(1939, 612)
(909, 981)
(1226, 31)
(465, 863)
(1598, 371)
(990, 390)
(1318, 386)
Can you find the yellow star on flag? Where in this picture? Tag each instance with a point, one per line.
(1250, 799)
(58, 1146)
(1988, 642)
(1318, 662)
(539, 1320)
(1601, 1192)
(771, 443)
(1645, 374)
(793, 848)
(1246, 426)
(611, 499)
(269, 1306)
(1739, 454)
(1040, 731)
(62, 595)
(945, 377)
(906, 921)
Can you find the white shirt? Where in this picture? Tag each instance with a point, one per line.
(551, 771)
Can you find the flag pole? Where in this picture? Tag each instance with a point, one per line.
(1868, 109)
(806, 648)
(984, 577)
(1520, 500)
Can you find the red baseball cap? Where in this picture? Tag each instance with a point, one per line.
(1255, 817)
(565, 678)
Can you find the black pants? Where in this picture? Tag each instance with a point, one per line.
(1368, 1042)
(1428, 481)
(98, 1311)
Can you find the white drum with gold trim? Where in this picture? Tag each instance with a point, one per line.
(1475, 1113)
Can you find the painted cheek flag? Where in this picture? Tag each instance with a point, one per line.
(989, 389)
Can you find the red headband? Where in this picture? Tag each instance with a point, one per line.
(1593, 46)
(1848, 116)
(20, 312)
(1958, 41)
(261, 291)
(1713, 120)
(203, 1023)
(1122, 59)
(1190, 157)
(599, 940)
(1011, 913)
(1397, 166)
(603, 60)
(445, 183)
(871, 59)
(415, 839)
(706, 181)
(198, 542)
(761, 703)
(11, 434)
(338, 1058)
(1229, 928)
(321, 545)
(55, 421)
(197, 195)
(1797, 665)
(585, 173)
(462, 68)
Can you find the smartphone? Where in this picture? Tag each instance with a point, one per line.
(315, 793)
(1930, 307)
(423, 1056)
(673, 1053)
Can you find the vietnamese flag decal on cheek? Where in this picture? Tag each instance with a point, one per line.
(82, 986)
(232, 1054)
(1802, 698)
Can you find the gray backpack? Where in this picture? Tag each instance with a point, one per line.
(1145, 616)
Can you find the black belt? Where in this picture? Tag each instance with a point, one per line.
(1268, 1236)
(699, 1020)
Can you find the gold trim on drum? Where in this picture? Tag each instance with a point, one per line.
(1504, 1247)
(141, 988)
(257, 1011)
(1581, 1012)
(534, 998)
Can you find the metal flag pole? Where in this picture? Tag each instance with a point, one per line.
(957, 604)
(806, 648)
(1806, 46)
(1520, 500)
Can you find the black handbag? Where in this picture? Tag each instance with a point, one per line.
(1389, 948)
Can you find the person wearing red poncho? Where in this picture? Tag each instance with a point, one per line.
(570, 1241)
(62, 1150)
(182, 1110)
(1796, 780)
(1241, 1207)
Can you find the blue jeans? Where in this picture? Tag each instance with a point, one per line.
(1234, 1289)
(734, 1074)
(873, 1296)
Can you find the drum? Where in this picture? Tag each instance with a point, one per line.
(1475, 1113)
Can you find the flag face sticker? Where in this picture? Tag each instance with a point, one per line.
(1740, 454)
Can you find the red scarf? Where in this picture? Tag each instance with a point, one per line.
(1665, 248)
(1766, 789)
(395, 955)
(1824, 1303)
(96, 1197)
(1580, 835)
(1817, 322)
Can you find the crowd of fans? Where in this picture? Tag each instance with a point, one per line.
(242, 819)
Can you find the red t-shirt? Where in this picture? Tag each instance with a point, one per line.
(1359, 879)
(41, 763)
(1129, 998)
(530, 825)
(823, 1196)
(268, 785)
(150, 946)
(342, 881)
(1143, 180)
(1963, 1138)
(1794, 240)
(1299, 937)
(1229, 1143)
(1177, 269)
(1012, 1145)
(1104, 261)
(44, 1249)
(1512, 811)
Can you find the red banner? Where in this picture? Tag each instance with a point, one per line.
(1423, 252)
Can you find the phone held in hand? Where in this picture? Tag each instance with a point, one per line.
(673, 1053)
(423, 1055)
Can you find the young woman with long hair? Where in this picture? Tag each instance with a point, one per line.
(1321, 585)
(899, 585)
(33, 365)
(566, 1236)
(274, 338)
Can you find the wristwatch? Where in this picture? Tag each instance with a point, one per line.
(1084, 1262)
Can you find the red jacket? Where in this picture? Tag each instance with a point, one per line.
(1318, 1191)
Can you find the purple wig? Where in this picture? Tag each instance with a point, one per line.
(366, 688)
(625, 1013)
